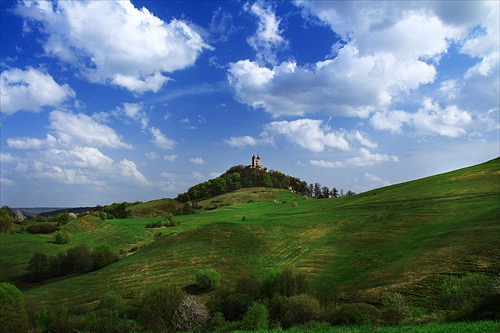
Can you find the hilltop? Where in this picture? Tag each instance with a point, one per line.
(406, 238)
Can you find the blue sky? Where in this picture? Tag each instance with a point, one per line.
(106, 101)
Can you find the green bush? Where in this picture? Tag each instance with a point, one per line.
(466, 294)
(208, 279)
(256, 317)
(234, 306)
(43, 228)
(395, 308)
(354, 314)
(61, 237)
(103, 256)
(13, 316)
(300, 309)
(157, 308)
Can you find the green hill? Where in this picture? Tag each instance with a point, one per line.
(406, 237)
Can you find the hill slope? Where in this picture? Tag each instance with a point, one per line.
(405, 237)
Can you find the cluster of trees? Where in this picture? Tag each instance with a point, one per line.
(79, 259)
(169, 222)
(282, 299)
(244, 176)
(241, 177)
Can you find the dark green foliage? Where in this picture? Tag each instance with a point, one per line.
(170, 221)
(61, 237)
(38, 267)
(6, 219)
(250, 285)
(110, 317)
(208, 279)
(300, 309)
(234, 306)
(241, 177)
(354, 314)
(395, 310)
(78, 259)
(488, 308)
(285, 281)
(13, 316)
(43, 318)
(43, 228)
(256, 317)
(467, 294)
(157, 308)
(156, 224)
(103, 256)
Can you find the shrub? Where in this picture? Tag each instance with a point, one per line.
(256, 317)
(78, 259)
(234, 306)
(191, 315)
(38, 267)
(43, 318)
(156, 224)
(43, 228)
(103, 256)
(157, 308)
(462, 295)
(61, 237)
(354, 314)
(395, 309)
(300, 309)
(249, 285)
(208, 279)
(13, 316)
(170, 222)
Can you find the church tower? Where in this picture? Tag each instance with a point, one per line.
(256, 161)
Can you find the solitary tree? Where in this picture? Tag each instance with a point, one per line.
(38, 267)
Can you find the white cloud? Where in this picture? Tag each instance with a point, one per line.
(128, 170)
(349, 85)
(33, 143)
(267, 40)
(197, 160)
(374, 181)
(240, 141)
(6, 181)
(307, 133)
(135, 111)
(365, 158)
(114, 42)
(30, 90)
(82, 129)
(430, 119)
(160, 140)
(8, 158)
(151, 155)
(170, 158)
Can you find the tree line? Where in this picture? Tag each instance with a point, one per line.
(280, 299)
(78, 259)
(244, 177)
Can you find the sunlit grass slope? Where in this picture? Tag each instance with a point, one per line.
(405, 237)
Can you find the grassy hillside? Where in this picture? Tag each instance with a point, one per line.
(405, 237)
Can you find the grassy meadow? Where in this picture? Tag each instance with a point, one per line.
(404, 238)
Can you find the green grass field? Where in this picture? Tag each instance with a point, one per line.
(406, 238)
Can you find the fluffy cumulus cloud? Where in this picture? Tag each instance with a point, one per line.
(70, 153)
(310, 134)
(267, 40)
(387, 52)
(430, 119)
(30, 90)
(114, 42)
(160, 140)
(364, 158)
(197, 160)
